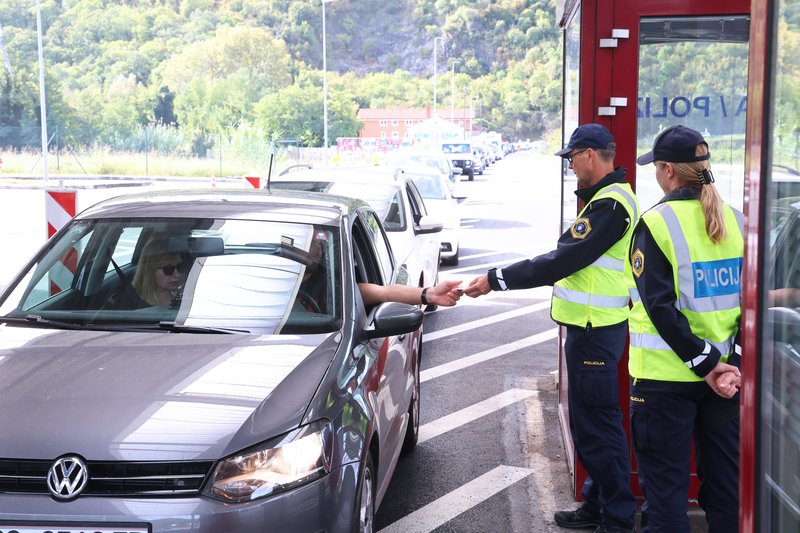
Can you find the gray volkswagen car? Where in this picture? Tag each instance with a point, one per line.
(203, 361)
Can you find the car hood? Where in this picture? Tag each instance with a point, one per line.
(152, 396)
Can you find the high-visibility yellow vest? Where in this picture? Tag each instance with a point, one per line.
(707, 280)
(599, 293)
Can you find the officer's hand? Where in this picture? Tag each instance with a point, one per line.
(478, 286)
(724, 379)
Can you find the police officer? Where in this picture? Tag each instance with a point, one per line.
(590, 275)
(686, 258)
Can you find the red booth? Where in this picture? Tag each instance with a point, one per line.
(637, 67)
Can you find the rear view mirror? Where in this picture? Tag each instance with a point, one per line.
(196, 246)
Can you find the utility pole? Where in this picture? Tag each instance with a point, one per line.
(453, 92)
(42, 100)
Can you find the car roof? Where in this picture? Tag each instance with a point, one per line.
(259, 204)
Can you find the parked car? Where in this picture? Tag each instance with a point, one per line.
(436, 160)
(441, 202)
(412, 231)
(462, 156)
(234, 408)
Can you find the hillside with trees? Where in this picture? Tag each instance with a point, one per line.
(181, 76)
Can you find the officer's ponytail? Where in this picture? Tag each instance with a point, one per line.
(698, 175)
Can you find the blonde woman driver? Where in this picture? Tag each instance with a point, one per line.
(159, 275)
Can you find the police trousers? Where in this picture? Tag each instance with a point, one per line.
(666, 417)
(595, 420)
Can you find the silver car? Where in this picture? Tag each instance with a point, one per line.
(261, 395)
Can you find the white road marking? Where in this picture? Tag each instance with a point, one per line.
(462, 499)
(520, 253)
(483, 267)
(473, 412)
(486, 355)
(469, 326)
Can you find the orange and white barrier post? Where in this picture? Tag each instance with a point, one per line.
(252, 182)
(60, 207)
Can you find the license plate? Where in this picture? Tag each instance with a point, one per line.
(6, 527)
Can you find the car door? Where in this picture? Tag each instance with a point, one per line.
(392, 359)
(426, 244)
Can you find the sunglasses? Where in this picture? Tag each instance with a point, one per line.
(570, 157)
(169, 269)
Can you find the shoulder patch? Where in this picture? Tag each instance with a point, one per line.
(580, 228)
(637, 262)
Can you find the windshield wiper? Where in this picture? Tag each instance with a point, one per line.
(37, 319)
(183, 328)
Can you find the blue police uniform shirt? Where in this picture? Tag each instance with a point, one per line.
(608, 223)
(657, 292)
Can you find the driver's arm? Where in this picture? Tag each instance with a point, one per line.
(444, 293)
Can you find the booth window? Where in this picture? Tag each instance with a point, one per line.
(779, 381)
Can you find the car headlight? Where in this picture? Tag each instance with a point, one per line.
(299, 457)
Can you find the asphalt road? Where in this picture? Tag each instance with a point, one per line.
(491, 456)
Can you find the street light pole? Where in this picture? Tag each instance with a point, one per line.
(42, 100)
(324, 86)
(435, 73)
(453, 92)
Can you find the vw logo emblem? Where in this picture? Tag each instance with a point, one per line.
(67, 478)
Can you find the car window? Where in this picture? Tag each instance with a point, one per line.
(123, 251)
(415, 201)
(786, 248)
(60, 270)
(381, 245)
(368, 266)
(394, 217)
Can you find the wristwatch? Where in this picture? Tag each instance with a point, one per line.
(422, 297)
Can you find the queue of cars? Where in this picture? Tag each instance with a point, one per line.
(237, 406)
(261, 395)
(412, 231)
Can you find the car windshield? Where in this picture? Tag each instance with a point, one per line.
(456, 148)
(430, 187)
(400, 159)
(184, 275)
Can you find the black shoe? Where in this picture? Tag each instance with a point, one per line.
(608, 528)
(577, 519)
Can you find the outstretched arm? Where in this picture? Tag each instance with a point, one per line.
(444, 293)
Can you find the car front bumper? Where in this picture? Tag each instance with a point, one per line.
(326, 504)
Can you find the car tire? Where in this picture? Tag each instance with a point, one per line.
(412, 429)
(364, 519)
(471, 175)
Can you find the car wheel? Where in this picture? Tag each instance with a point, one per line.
(365, 505)
(412, 429)
(471, 175)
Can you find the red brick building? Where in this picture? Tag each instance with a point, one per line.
(393, 124)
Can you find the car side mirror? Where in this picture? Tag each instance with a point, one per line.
(394, 318)
(428, 224)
